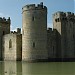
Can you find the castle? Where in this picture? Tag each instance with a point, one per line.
(37, 43)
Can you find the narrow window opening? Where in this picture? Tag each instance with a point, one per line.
(53, 50)
(33, 18)
(55, 20)
(3, 32)
(33, 44)
(58, 19)
(73, 35)
(10, 43)
(23, 32)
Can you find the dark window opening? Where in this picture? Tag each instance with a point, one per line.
(10, 43)
(53, 50)
(71, 19)
(64, 19)
(32, 18)
(33, 44)
(55, 20)
(73, 35)
(27, 6)
(58, 19)
(3, 32)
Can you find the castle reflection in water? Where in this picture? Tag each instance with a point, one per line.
(46, 68)
(12, 68)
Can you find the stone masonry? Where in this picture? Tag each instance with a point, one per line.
(64, 24)
(34, 32)
(13, 46)
(36, 42)
(4, 29)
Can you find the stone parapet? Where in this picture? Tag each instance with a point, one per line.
(34, 7)
(4, 20)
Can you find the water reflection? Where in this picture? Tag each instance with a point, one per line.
(12, 68)
(1, 68)
(52, 68)
(23, 68)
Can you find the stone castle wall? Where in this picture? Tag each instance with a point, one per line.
(34, 34)
(36, 41)
(51, 43)
(63, 23)
(4, 29)
(12, 46)
(12, 68)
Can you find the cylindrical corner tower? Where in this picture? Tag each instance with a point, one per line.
(34, 32)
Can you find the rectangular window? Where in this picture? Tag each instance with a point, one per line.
(33, 44)
(55, 20)
(10, 43)
(33, 18)
(23, 32)
(58, 20)
(3, 32)
(73, 36)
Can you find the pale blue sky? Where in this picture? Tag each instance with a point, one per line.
(13, 9)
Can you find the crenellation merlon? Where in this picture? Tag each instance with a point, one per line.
(59, 14)
(69, 14)
(65, 16)
(49, 30)
(34, 7)
(16, 32)
(4, 20)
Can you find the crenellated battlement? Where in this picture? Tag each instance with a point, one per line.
(5, 20)
(49, 30)
(69, 14)
(59, 14)
(16, 32)
(63, 14)
(34, 7)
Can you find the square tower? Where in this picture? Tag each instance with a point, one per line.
(12, 46)
(4, 29)
(64, 26)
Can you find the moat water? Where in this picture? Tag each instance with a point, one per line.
(40, 68)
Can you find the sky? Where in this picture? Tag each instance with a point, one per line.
(13, 9)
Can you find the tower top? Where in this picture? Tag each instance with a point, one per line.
(4, 20)
(34, 7)
(69, 14)
(63, 14)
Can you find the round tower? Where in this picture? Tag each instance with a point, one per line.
(34, 32)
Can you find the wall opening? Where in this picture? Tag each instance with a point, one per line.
(23, 32)
(53, 50)
(55, 20)
(10, 43)
(3, 32)
(33, 44)
(73, 36)
(33, 18)
(58, 20)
